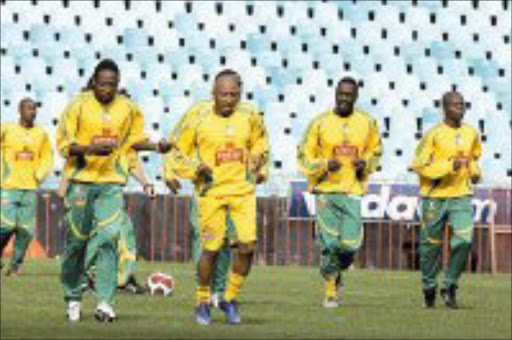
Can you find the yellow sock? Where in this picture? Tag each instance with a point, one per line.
(202, 294)
(235, 283)
(331, 287)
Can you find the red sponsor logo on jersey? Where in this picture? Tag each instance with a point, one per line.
(105, 138)
(25, 155)
(229, 155)
(345, 150)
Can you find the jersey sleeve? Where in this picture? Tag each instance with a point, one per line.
(374, 149)
(67, 128)
(46, 159)
(259, 144)
(476, 153)
(424, 162)
(309, 158)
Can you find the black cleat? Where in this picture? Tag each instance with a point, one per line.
(132, 286)
(430, 297)
(449, 296)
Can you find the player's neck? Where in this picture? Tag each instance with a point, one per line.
(26, 124)
(342, 113)
(455, 124)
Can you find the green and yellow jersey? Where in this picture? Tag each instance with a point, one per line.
(26, 156)
(434, 157)
(228, 145)
(345, 138)
(86, 121)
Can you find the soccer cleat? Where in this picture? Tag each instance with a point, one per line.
(449, 296)
(105, 313)
(231, 311)
(132, 286)
(331, 302)
(12, 271)
(202, 314)
(430, 297)
(74, 311)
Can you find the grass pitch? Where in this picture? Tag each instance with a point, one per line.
(277, 302)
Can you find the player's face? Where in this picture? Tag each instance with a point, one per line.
(346, 95)
(226, 94)
(28, 111)
(455, 107)
(105, 86)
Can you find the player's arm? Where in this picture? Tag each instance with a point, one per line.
(476, 152)
(66, 136)
(259, 158)
(424, 163)
(137, 171)
(46, 159)
(309, 158)
(371, 155)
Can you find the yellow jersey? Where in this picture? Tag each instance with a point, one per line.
(86, 121)
(26, 156)
(228, 145)
(344, 138)
(434, 156)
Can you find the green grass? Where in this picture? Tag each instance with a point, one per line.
(277, 302)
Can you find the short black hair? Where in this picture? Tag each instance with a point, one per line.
(106, 64)
(448, 95)
(349, 80)
(229, 73)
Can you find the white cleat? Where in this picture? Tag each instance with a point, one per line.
(331, 303)
(105, 313)
(74, 311)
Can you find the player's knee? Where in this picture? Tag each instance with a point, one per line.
(247, 248)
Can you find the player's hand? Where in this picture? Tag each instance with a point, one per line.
(203, 170)
(164, 146)
(149, 190)
(333, 165)
(260, 178)
(359, 165)
(100, 149)
(475, 179)
(173, 185)
(457, 164)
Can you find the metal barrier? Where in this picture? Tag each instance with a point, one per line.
(163, 234)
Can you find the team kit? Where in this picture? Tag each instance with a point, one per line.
(221, 145)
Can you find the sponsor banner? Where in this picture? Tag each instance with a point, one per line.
(400, 202)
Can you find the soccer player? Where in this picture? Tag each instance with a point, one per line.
(446, 162)
(339, 150)
(26, 159)
(95, 131)
(225, 152)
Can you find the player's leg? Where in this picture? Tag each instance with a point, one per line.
(25, 229)
(243, 214)
(108, 212)
(433, 212)
(329, 237)
(352, 231)
(212, 215)
(222, 264)
(461, 221)
(7, 218)
(79, 224)
(127, 253)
